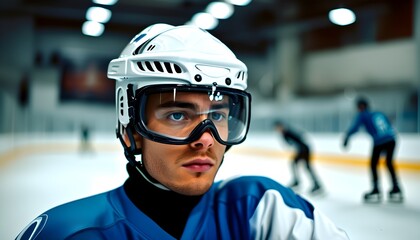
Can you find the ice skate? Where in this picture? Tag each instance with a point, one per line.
(372, 197)
(316, 189)
(395, 195)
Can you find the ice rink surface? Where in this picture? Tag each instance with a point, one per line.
(35, 177)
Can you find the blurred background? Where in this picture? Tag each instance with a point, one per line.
(306, 67)
(303, 68)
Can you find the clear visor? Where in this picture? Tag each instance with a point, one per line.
(180, 114)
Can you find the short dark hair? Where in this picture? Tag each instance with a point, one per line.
(362, 102)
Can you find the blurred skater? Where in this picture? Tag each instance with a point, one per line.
(303, 153)
(383, 134)
(85, 139)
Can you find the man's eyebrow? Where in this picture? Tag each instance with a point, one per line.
(219, 106)
(177, 104)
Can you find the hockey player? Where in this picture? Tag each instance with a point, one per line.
(181, 104)
(303, 154)
(383, 134)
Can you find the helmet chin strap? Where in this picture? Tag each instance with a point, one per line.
(130, 152)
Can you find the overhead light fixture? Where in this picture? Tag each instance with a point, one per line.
(220, 10)
(239, 2)
(342, 16)
(91, 28)
(205, 21)
(98, 14)
(105, 2)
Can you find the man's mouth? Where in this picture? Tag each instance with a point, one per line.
(199, 165)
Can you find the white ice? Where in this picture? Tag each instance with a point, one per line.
(39, 174)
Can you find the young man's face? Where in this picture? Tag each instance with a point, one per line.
(186, 169)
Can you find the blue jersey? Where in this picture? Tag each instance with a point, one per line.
(239, 208)
(376, 124)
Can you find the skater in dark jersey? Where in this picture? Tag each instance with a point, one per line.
(384, 140)
(302, 154)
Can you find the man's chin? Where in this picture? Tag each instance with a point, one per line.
(195, 190)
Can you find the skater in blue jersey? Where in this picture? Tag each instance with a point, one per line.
(181, 104)
(384, 139)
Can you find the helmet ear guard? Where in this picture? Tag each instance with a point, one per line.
(125, 113)
(122, 106)
(124, 98)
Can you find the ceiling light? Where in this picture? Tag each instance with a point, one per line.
(220, 10)
(92, 28)
(205, 21)
(98, 14)
(239, 2)
(342, 16)
(105, 2)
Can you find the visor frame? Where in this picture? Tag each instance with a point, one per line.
(205, 125)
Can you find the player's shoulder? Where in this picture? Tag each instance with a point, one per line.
(260, 188)
(67, 219)
(250, 186)
(248, 179)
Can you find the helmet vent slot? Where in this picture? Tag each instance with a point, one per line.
(177, 68)
(121, 103)
(140, 66)
(151, 47)
(168, 67)
(157, 66)
(149, 66)
(241, 75)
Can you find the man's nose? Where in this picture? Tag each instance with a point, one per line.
(205, 141)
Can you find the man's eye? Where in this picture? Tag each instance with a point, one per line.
(177, 116)
(217, 116)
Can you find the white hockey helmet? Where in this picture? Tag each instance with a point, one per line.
(164, 55)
